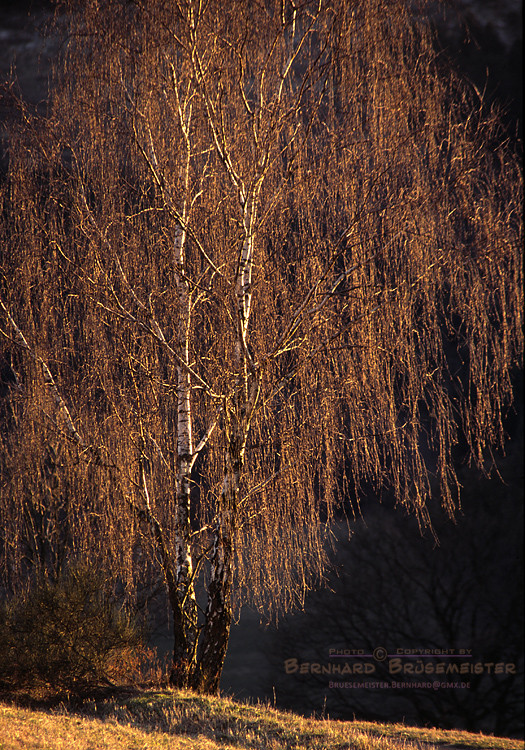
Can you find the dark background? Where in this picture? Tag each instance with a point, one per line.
(390, 587)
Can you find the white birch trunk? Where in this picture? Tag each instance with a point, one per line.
(244, 277)
(185, 606)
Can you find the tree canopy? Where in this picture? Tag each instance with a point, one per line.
(255, 260)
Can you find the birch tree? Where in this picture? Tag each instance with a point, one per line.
(254, 260)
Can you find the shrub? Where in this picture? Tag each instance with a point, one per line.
(67, 635)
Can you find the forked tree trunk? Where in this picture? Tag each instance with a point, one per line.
(202, 670)
(198, 663)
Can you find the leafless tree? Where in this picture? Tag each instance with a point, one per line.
(252, 257)
(397, 590)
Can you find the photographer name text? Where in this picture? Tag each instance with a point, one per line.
(398, 666)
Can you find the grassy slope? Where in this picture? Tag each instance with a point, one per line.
(180, 720)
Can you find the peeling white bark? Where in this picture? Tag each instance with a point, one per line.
(185, 460)
(244, 278)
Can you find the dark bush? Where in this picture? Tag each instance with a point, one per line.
(67, 635)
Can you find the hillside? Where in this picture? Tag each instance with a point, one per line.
(182, 720)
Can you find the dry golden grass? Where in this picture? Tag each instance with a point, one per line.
(24, 729)
(180, 720)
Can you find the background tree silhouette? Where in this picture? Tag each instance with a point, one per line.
(252, 258)
(393, 588)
